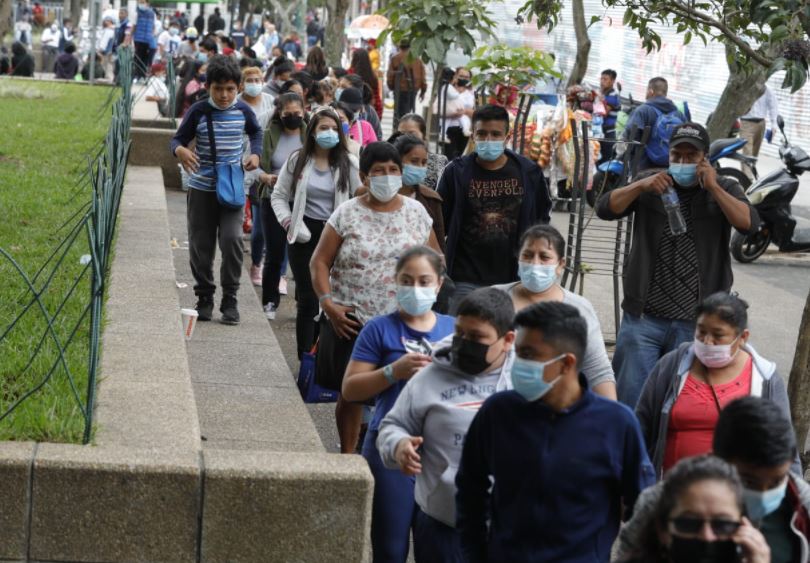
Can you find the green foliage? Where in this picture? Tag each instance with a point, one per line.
(49, 131)
(514, 66)
(434, 26)
(770, 33)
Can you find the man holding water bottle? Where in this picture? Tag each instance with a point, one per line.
(681, 230)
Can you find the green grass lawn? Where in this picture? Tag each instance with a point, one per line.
(47, 133)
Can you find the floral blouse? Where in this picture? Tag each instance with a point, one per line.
(435, 167)
(363, 275)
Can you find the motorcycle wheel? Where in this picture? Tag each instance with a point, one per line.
(747, 248)
(739, 175)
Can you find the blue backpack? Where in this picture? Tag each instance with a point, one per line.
(658, 145)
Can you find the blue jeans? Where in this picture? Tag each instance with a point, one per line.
(392, 509)
(641, 342)
(434, 541)
(256, 235)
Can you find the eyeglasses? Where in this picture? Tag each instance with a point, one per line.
(689, 526)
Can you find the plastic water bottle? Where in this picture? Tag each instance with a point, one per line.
(672, 205)
(596, 127)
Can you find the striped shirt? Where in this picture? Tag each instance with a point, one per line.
(229, 126)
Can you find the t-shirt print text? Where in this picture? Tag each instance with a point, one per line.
(495, 188)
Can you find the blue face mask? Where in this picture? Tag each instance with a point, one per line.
(416, 300)
(202, 57)
(201, 77)
(327, 139)
(758, 504)
(252, 89)
(338, 92)
(684, 174)
(413, 175)
(527, 378)
(537, 277)
(489, 151)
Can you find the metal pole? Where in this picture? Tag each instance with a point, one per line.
(95, 8)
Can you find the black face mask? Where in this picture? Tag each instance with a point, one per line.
(691, 550)
(463, 82)
(469, 356)
(292, 121)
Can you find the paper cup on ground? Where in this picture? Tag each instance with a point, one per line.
(189, 317)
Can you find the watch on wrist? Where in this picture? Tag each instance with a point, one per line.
(388, 374)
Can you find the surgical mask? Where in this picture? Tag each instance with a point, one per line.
(527, 378)
(201, 77)
(338, 92)
(346, 128)
(384, 188)
(758, 504)
(174, 31)
(416, 300)
(537, 277)
(413, 175)
(212, 103)
(489, 151)
(54, 28)
(683, 174)
(327, 139)
(714, 355)
(253, 90)
(292, 121)
(694, 550)
(202, 57)
(469, 356)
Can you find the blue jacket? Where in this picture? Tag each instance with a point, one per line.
(560, 479)
(453, 186)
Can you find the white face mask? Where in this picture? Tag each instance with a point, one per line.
(715, 355)
(385, 188)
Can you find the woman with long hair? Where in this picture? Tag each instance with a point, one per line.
(192, 82)
(316, 64)
(361, 66)
(316, 179)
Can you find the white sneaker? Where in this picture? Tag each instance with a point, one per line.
(270, 312)
(282, 286)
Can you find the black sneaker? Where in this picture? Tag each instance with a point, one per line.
(230, 314)
(205, 307)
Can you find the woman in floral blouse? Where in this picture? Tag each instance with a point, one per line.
(353, 269)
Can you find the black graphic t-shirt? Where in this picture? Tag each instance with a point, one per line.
(489, 228)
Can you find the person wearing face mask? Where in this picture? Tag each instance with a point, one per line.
(541, 262)
(563, 460)
(754, 435)
(168, 42)
(346, 117)
(262, 105)
(278, 73)
(310, 185)
(351, 270)
(142, 38)
(423, 434)
(689, 387)
(667, 274)
(414, 124)
(360, 130)
(490, 198)
(284, 135)
(459, 110)
(362, 108)
(697, 517)
(389, 350)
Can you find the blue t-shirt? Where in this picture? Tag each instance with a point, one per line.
(383, 340)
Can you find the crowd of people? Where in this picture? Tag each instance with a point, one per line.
(501, 430)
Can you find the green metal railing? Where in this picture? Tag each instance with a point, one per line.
(96, 218)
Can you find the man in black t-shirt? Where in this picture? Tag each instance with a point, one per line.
(490, 198)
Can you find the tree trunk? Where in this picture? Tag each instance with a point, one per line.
(5, 17)
(335, 32)
(76, 13)
(583, 44)
(740, 93)
(283, 12)
(799, 385)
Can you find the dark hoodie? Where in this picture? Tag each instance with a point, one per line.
(22, 64)
(66, 66)
(643, 116)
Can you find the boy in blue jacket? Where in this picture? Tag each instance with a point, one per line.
(207, 218)
(562, 459)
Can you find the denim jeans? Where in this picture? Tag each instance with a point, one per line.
(641, 342)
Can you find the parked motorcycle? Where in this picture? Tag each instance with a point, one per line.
(771, 197)
(729, 148)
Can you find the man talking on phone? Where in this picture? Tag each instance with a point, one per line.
(667, 274)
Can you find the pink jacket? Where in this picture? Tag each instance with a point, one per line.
(362, 132)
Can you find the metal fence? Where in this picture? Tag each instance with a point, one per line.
(96, 219)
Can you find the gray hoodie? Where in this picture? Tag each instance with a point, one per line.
(666, 382)
(631, 535)
(438, 404)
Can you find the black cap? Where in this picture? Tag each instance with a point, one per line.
(352, 97)
(692, 134)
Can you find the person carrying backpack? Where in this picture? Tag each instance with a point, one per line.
(662, 116)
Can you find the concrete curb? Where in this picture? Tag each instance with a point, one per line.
(145, 491)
